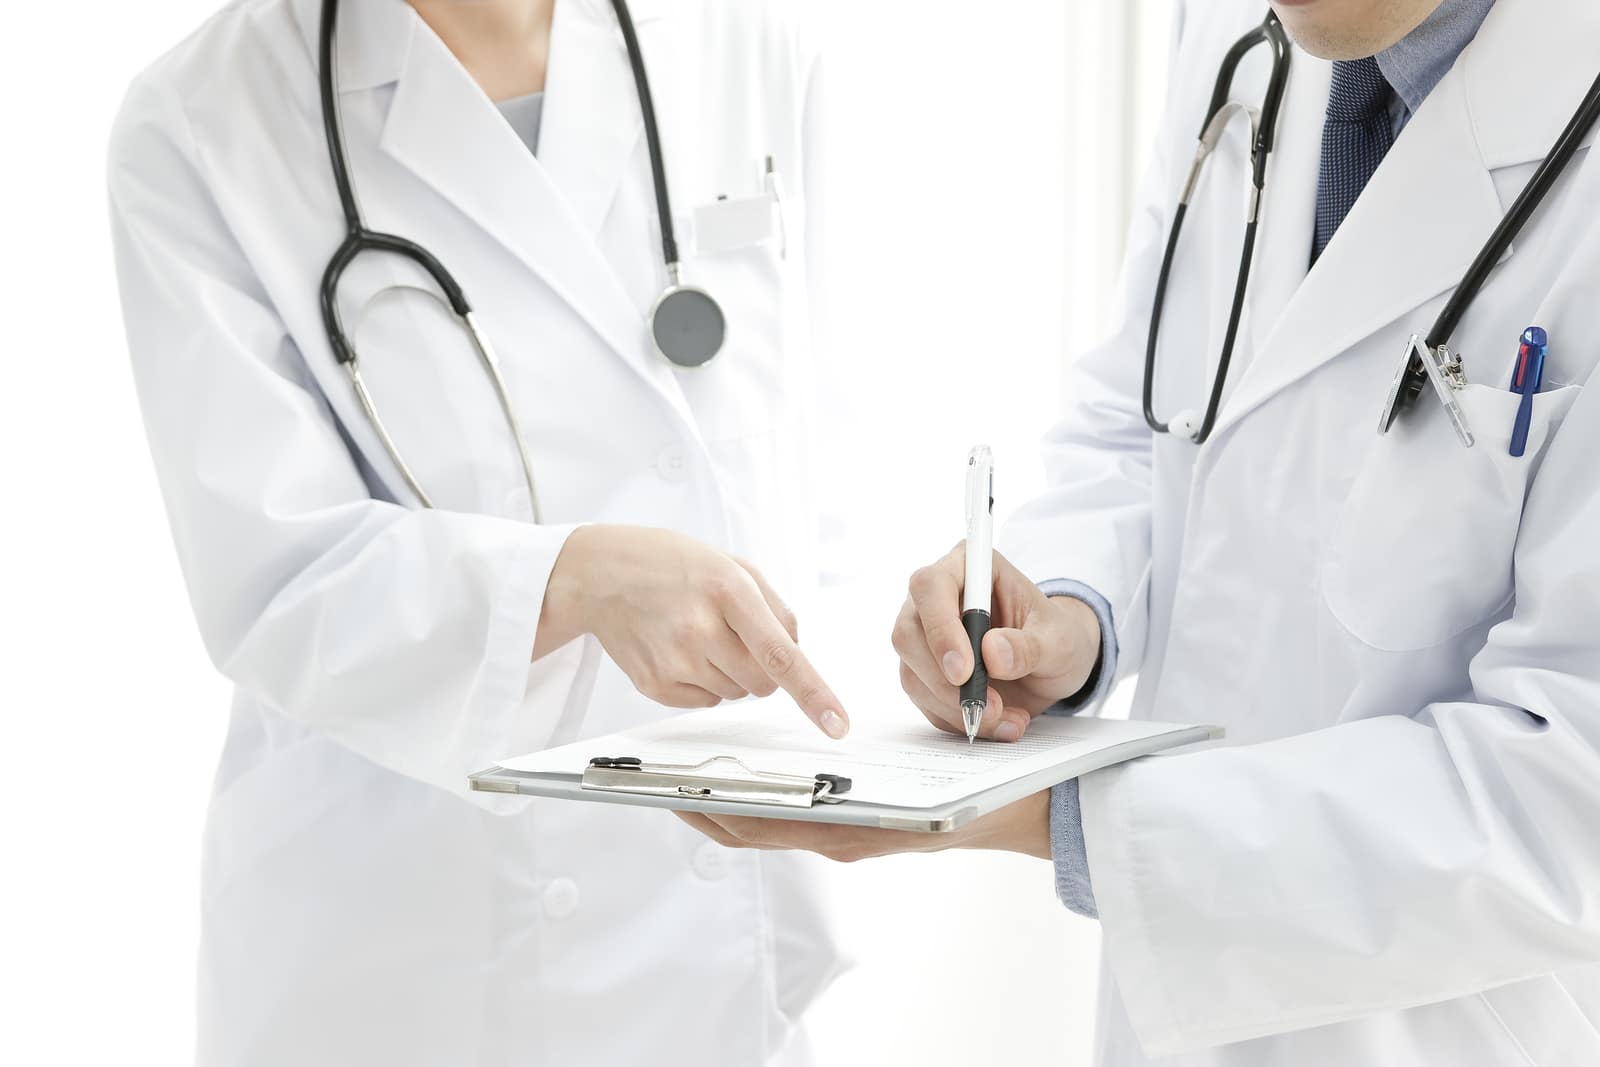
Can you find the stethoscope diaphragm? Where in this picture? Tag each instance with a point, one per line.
(688, 326)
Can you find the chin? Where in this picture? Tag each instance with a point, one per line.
(1350, 29)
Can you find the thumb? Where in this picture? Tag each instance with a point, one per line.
(1010, 654)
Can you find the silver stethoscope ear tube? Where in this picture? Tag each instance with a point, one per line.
(490, 361)
(1213, 137)
(491, 364)
(376, 422)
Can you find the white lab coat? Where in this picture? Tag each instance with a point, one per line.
(359, 905)
(1394, 859)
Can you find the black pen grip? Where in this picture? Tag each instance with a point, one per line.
(976, 623)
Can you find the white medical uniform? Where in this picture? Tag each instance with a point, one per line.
(359, 905)
(1395, 859)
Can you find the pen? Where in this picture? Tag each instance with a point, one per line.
(1527, 380)
(979, 584)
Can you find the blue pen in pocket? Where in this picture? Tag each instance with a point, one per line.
(1526, 380)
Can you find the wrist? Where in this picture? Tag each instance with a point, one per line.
(1022, 827)
(1080, 633)
(572, 585)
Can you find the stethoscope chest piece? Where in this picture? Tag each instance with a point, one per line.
(687, 326)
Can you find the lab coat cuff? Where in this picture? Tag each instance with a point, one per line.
(1104, 675)
(1112, 835)
(1067, 849)
(513, 632)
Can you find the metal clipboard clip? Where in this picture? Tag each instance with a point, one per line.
(1444, 371)
(720, 778)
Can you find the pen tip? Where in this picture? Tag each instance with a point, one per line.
(972, 717)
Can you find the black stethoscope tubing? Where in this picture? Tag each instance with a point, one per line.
(1510, 228)
(690, 345)
(358, 238)
(1271, 32)
(652, 137)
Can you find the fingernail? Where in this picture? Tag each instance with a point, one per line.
(1007, 731)
(952, 668)
(834, 724)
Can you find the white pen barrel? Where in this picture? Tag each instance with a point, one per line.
(978, 589)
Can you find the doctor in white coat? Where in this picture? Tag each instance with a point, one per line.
(1394, 858)
(359, 906)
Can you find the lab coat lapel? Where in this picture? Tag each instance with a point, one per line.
(1410, 237)
(593, 129)
(1290, 202)
(442, 128)
(1432, 204)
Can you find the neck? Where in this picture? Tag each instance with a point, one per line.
(503, 44)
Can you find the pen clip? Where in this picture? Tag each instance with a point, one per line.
(980, 483)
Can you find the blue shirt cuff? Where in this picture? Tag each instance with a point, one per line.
(1068, 851)
(1098, 687)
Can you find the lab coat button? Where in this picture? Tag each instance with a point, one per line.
(561, 898)
(672, 465)
(711, 862)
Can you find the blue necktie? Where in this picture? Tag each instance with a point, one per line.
(1356, 134)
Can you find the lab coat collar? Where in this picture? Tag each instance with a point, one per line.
(1537, 60)
(1432, 204)
(375, 35)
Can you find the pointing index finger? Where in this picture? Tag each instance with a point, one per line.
(777, 654)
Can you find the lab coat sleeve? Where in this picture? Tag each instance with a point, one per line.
(405, 635)
(1386, 863)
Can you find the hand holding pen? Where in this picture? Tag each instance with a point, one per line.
(1037, 650)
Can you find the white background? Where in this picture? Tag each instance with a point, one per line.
(999, 140)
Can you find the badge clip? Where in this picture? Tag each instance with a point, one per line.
(1444, 370)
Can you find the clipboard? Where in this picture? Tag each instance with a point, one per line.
(741, 783)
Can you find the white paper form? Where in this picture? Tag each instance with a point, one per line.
(912, 766)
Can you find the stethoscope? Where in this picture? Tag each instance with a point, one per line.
(1428, 357)
(686, 324)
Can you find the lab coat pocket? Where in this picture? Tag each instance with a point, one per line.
(1421, 550)
(739, 393)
